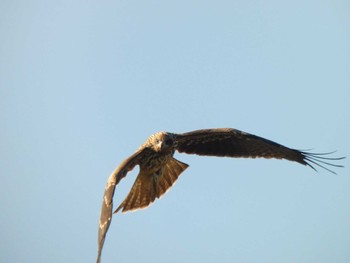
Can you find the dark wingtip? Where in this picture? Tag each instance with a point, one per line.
(321, 161)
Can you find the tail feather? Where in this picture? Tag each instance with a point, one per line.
(148, 187)
(171, 172)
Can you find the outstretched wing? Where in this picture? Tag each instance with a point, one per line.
(107, 203)
(149, 186)
(234, 143)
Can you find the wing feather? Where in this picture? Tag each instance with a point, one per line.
(107, 204)
(231, 143)
(235, 143)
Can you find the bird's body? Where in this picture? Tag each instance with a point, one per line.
(159, 170)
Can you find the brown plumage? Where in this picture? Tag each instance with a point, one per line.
(159, 170)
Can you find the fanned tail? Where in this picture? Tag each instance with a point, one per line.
(148, 187)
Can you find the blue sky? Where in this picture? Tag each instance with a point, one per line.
(84, 83)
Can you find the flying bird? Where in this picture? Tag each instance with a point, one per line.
(159, 170)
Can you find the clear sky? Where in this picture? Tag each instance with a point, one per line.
(84, 83)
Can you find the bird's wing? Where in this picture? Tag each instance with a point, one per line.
(149, 185)
(234, 143)
(107, 203)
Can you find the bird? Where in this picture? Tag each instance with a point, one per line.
(159, 170)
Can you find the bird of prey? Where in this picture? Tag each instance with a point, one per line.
(159, 169)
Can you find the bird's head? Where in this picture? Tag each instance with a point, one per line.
(162, 141)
